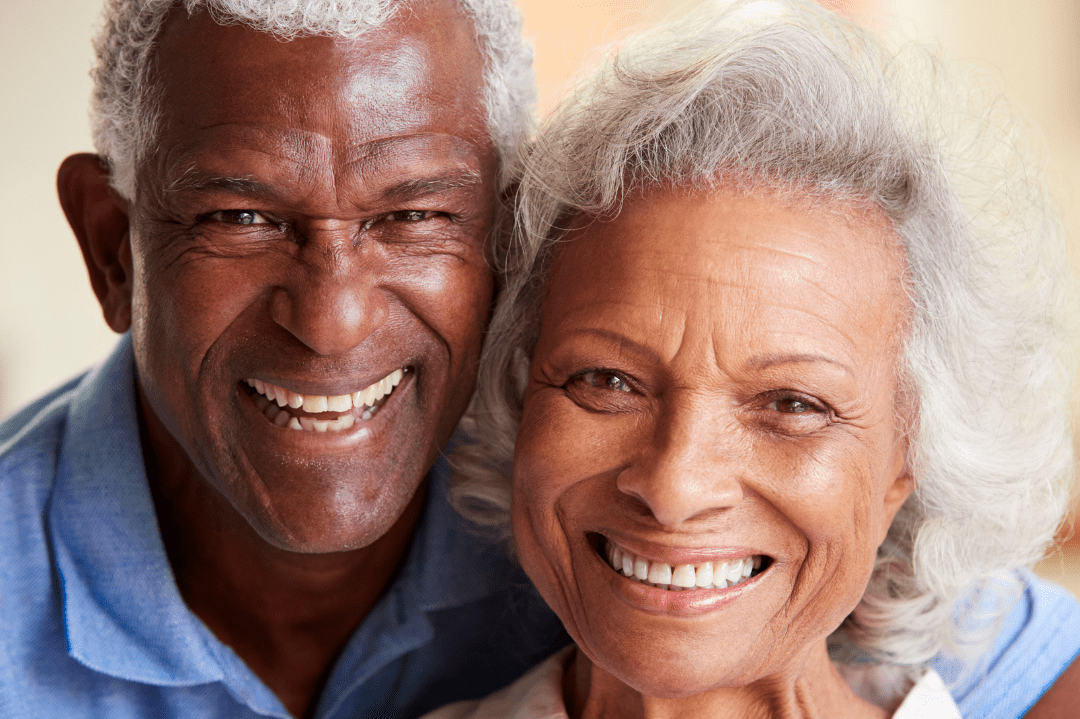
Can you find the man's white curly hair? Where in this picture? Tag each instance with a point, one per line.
(124, 115)
(801, 98)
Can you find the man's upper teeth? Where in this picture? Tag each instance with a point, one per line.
(366, 397)
(706, 575)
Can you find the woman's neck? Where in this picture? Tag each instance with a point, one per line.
(812, 690)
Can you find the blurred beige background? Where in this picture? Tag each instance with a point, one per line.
(50, 326)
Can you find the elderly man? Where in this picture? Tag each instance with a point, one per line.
(237, 513)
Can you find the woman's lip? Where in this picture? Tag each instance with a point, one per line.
(687, 603)
(656, 600)
(669, 554)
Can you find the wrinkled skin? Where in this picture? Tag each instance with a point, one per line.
(715, 377)
(314, 215)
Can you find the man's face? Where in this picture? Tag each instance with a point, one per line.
(309, 231)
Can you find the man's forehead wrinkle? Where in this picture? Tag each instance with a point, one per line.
(389, 166)
(371, 154)
(223, 140)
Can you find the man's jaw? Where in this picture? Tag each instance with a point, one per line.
(322, 413)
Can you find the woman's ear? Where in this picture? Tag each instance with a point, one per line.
(900, 487)
(99, 218)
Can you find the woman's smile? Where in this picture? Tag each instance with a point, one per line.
(675, 588)
(717, 574)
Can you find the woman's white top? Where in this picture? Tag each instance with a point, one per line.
(538, 695)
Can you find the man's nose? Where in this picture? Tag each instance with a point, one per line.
(333, 301)
(691, 468)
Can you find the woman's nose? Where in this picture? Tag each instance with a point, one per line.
(690, 469)
(333, 302)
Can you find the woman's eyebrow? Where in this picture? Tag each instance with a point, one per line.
(764, 361)
(623, 341)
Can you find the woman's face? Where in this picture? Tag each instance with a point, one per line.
(713, 393)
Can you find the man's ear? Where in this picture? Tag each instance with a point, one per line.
(99, 218)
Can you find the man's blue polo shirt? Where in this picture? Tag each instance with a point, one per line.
(93, 625)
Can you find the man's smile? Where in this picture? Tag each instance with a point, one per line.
(322, 413)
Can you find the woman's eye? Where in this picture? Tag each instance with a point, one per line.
(604, 391)
(792, 405)
(240, 217)
(605, 379)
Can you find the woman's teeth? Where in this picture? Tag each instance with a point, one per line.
(706, 575)
(273, 401)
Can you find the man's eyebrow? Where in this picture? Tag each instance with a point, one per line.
(407, 189)
(423, 186)
(198, 182)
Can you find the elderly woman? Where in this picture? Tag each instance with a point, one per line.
(780, 376)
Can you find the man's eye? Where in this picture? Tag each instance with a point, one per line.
(403, 216)
(605, 379)
(411, 215)
(240, 217)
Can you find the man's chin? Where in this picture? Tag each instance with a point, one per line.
(323, 492)
(326, 527)
(335, 506)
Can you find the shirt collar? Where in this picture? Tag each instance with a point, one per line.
(447, 566)
(123, 613)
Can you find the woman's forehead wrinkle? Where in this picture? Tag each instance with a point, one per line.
(630, 324)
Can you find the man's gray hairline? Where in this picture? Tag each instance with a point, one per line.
(148, 113)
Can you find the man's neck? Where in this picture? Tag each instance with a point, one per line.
(288, 615)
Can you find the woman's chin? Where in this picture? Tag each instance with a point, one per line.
(669, 641)
(673, 672)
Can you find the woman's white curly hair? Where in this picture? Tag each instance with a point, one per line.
(124, 113)
(797, 96)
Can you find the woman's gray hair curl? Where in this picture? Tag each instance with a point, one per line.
(125, 113)
(792, 96)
